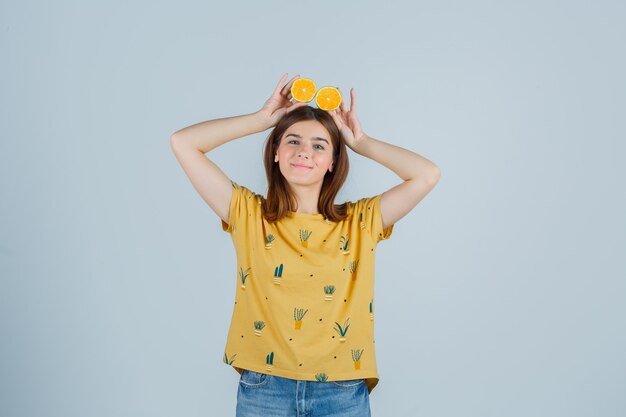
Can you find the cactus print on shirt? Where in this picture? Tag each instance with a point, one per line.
(304, 302)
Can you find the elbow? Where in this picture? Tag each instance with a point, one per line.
(174, 140)
(435, 174)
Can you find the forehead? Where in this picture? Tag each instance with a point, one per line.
(308, 129)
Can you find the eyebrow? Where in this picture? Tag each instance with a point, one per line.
(314, 138)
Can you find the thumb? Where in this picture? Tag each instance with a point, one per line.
(338, 122)
(278, 114)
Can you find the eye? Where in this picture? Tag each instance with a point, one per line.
(317, 144)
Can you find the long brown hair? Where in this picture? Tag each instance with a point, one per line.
(280, 198)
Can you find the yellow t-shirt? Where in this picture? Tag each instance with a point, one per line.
(304, 302)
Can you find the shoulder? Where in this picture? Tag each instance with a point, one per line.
(363, 203)
(245, 192)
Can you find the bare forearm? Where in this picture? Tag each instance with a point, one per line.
(208, 135)
(406, 164)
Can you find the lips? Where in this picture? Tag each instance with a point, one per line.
(302, 166)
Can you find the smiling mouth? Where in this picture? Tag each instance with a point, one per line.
(301, 166)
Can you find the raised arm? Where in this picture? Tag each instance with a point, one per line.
(419, 174)
(191, 143)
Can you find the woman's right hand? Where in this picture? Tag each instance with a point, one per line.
(279, 103)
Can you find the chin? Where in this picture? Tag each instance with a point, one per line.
(300, 181)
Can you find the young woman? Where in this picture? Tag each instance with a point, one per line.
(302, 329)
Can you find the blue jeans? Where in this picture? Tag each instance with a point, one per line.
(266, 395)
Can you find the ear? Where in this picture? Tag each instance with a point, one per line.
(275, 157)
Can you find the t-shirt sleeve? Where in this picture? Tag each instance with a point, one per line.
(367, 212)
(241, 203)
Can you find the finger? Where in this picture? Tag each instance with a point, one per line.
(287, 87)
(280, 83)
(342, 106)
(352, 100)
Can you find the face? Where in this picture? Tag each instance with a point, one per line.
(305, 153)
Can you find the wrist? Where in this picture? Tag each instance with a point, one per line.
(358, 144)
(259, 122)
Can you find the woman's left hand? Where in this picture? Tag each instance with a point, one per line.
(348, 123)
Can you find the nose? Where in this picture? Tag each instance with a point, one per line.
(303, 151)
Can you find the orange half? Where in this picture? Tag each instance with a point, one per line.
(328, 98)
(303, 90)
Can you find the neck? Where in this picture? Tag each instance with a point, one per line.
(306, 197)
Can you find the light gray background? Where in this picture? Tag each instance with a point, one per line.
(501, 294)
